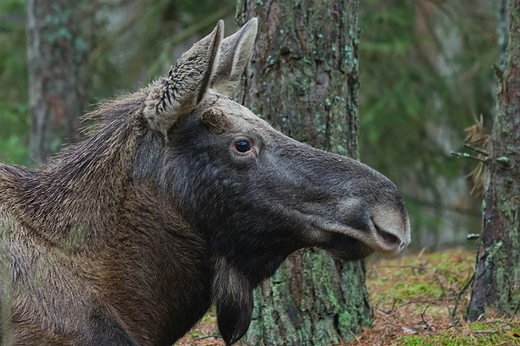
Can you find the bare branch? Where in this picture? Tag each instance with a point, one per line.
(478, 150)
(468, 156)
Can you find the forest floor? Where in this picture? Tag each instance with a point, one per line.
(416, 299)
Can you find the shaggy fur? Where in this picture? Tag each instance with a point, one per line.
(132, 234)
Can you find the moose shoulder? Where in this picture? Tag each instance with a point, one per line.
(180, 198)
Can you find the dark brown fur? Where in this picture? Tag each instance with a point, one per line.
(132, 234)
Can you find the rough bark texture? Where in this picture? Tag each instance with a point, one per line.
(497, 278)
(303, 79)
(57, 55)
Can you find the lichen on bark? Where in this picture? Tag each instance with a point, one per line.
(303, 79)
(497, 275)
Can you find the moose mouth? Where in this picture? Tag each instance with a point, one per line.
(374, 237)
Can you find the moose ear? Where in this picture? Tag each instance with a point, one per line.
(187, 82)
(234, 56)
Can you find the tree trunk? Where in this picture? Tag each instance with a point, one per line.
(497, 276)
(303, 79)
(57, 51)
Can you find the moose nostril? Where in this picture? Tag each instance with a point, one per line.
(389, 238)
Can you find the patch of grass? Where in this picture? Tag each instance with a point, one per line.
(420, 300)
(476, 334)
(424, 278)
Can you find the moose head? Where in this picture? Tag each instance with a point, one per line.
(255, 194)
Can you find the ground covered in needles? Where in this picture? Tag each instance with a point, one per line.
(417, 299)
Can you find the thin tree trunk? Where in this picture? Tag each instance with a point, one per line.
(57, 50)
(303, 79)
(497, 277)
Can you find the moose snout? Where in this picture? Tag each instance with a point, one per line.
(389, 238)
(390, 231)
(382, 224)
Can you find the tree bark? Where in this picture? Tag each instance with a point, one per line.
(497, 277)
(303, 79)
(57, 51)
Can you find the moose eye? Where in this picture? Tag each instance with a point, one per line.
(242, 146)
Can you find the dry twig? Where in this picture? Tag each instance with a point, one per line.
(461, 292)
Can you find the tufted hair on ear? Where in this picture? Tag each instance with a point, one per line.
(235, 52)
(186, 84)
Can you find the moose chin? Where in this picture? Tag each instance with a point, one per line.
(180, 198)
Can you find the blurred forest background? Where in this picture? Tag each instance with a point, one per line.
(427, 85)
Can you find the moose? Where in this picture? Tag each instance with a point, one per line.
(179, 198)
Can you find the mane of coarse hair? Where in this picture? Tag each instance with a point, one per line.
(67, 191)
(102, 126)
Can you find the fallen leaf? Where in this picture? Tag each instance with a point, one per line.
(512, 334)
